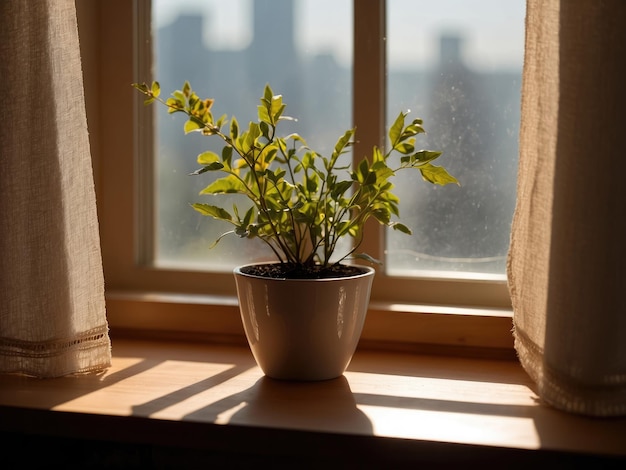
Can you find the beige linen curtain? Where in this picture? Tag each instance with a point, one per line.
(52, 311)
(567, 259)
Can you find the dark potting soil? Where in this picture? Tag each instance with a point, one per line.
(293, 271)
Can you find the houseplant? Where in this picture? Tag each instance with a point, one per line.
(301, 205)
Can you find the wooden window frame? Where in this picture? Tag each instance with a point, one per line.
(446, 313)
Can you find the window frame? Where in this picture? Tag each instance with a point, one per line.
(457, 311)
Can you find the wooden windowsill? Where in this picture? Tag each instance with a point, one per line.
(390, 326)
(388, 407)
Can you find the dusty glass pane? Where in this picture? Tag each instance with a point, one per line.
(464, 80)
(229, 51)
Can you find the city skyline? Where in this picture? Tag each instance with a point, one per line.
(493, 30)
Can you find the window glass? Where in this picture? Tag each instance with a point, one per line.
(457, 65)
(229, 51)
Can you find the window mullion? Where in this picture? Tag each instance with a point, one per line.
(369, 95)
(144, 197)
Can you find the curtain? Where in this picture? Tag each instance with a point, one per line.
(52, 310)
(567, 260)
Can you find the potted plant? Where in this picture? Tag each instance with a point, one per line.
(303, 314)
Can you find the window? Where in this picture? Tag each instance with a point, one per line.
(234, 55)
(465, 82)
(125, 185)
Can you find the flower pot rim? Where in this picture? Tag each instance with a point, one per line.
(367, 271)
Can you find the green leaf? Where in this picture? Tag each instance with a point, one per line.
(343, 142)
(312, 183)
(382, 215)
(234, 129)
(263, 114)
(226, 185)
(363, 171)
(187, 89)
(437, 175)
(179, 97)
(377, 156)
(396, 129)
(340, 188)
(221, 121)
(212, 167)
(277, 108)
(248, 217)
(219, 238)
(192, 125)
(242, 232)
(425, 156)
(268, 93)
(275, 176)
(227, 155)
(156, 89)
(343, 227)
(265, 129)
(249, 138)
(366, 257)
(208, 157)
(212, 211)
(413, 129)
(405, 147)
(142, 87)
(173, 106)
(401, 228)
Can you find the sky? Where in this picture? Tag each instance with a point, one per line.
(493, 29)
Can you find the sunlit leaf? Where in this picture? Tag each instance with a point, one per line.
(208, 157)
(425, 156)
(226, 185)
(366, 257)
(234, 129)
(363, 171)
(187, 89)
(211, 167)
(268, 93)
(212, 211)
(396, 129)
(437, 175)
(401, 228)
(413, 129)
(340, 188)
(277, 108)
(213, 245)
(192, 125)
(227, 155)
(248, 217)
(405, 147)
(156, 89)
(342, 143)
(263, 114)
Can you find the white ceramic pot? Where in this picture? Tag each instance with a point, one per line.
(303, 329)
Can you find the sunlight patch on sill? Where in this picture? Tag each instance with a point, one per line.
(440, 309)
(453, 427)
(406, 391)
(147, 379)
(447, 275)
(226, 416)
(209, 396)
